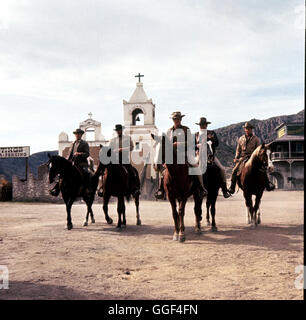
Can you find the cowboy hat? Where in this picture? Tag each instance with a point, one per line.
(78, 131)
(118, 127)
(177, 115)
(203, 120)
(248, 125)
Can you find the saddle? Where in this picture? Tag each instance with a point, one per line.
(241, 166)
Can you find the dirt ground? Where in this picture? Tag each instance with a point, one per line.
(46, 261)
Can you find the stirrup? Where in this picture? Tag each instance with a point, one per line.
(270, 187)
(159, 194)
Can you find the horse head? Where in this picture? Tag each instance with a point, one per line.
(264, 156)
(210, 153)
(53, 167)
(163, 151)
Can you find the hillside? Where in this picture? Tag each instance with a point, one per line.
(10, 167)
(264, 129)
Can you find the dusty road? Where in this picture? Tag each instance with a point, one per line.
(45, 261)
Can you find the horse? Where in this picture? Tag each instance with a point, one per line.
(212, 180)
(72, 185)
(115, 180)
(252, 181)
(179, 186)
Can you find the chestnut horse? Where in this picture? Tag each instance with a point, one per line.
(179, 186)
(252, 181)
(115, 182)
(71, 185)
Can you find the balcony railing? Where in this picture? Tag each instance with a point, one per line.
(287, 155)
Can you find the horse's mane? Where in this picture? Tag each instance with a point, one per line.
(254, 156)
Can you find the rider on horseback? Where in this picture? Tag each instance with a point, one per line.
(212, 136)
(246, 146)
(78, 154)
(122, 145)
(177, 119)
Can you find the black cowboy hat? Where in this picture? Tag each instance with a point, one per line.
(203, 120)
(78, 131)
(248, 125)
(118, 127)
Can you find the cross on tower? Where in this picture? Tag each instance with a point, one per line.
(139, 76)
(90, 115)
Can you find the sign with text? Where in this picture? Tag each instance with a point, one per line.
(14, 152)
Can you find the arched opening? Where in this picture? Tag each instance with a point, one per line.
(137, 117)
(90, 134)
(278, 180)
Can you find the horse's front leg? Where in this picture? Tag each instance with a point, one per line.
(181, 213)
(213, 214)
(250, 210)
(175, 219)
(89, 202)
(198, 212)
(106, 198)
(256, 209)
(120, 209)
(208, 204)
(68, 209)
(138, 221)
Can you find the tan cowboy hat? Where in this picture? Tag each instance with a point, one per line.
(78, 131)
(203, 120)
(248, 125)
(177, 115)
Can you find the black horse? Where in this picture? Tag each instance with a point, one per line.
(212, 180)
(72, 185)
(116, 182)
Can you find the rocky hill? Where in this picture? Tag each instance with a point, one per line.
(264, 129)
(10, 167)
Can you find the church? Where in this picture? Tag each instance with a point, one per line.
(139, 123)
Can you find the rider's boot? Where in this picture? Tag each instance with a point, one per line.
(160, 193)
(201, 189)
(55, 190)
(225, 191)
(233, 184)
(269, 185)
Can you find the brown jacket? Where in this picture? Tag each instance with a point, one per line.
(246, 146)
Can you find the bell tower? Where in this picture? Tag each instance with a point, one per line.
(139, 120)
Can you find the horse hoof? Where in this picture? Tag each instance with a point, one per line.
(175, 237)
(208, 224)
(123, 226)
(69, 226)
(138, 222)
(214, 229)
(110, 221)
(182, 238)
(93, 221)
(258, 221)
(85, 224)
(253, 226)
(198, 231)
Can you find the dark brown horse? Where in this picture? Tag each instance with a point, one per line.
(115, 180)
(72, 185)
(179, 186)
(212, 180)
(252, 181)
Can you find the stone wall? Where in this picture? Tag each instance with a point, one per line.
(34, 189)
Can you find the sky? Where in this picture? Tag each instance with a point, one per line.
(229, 61)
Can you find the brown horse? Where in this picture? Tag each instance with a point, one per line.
(179, 186)
(115, 180)
(252, 181)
